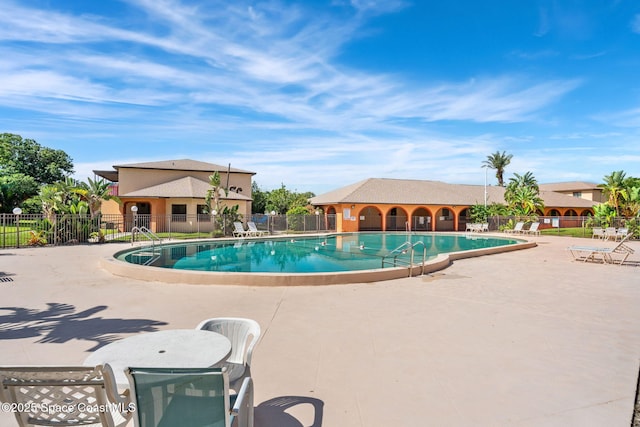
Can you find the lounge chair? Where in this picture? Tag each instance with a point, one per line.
(586, 253)
(598, 232)
(516, 229)
(64, 396)
(244, 335)
(194, 397)
(239, 231)
(253, 229)
(609, 233)
(533, 229)
(621, 233)
(484, 227)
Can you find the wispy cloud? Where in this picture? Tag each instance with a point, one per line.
(635, 24)
(263, 74)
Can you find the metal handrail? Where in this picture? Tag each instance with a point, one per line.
(402, 250)
(150, 235)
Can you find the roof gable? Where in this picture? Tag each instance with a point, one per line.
(182, 164)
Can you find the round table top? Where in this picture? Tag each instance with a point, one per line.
(175, 348)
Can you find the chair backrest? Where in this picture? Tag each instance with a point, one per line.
(61, 395)
(238, 226)
(621, 247)
(519, 226)
(252, 226)
(534, 226)
(170, 397)
(243, 334)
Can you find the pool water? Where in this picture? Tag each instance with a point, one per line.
(333, 253)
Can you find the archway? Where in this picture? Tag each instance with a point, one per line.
(421, 220)
(370, 219)
(396, 219)
(444, 219)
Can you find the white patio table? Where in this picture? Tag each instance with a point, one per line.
(174, 348)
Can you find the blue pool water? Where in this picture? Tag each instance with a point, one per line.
(334, 253)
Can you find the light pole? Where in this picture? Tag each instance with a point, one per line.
(317, 220)
(134, 209)
(213, 217)
(273, 226)
(17, 212)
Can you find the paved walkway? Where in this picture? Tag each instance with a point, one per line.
(526, 338)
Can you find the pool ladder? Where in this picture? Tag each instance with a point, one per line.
(153, 255)
(392, 257)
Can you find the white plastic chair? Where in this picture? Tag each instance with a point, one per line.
(244, 335)
(64, 396)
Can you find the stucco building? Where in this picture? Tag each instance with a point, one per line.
(174, 187)
(399, 204)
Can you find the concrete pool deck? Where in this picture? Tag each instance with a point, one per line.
(523, 338)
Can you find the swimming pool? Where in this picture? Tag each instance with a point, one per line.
(338, 257)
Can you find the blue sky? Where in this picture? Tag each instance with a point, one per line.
(319, 94)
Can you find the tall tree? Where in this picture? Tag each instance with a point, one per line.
(26, 156)
(14, 189)
(523, 194)
(615, 189)
(94, 192)
(259, 204)
(498, 161)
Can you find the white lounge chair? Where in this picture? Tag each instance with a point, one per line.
(253, 229)
(64, 396)
(533, 229)
(621, 233)
(586, 253)
(516, 229)
(239, 231)
(598, 232)
(609, 233)
(244, 335)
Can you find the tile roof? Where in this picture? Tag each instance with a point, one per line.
(182, 164)
(187, 187)
(569, 186)
(420, 192)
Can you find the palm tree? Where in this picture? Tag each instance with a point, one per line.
(519, 181)
(498, 161)
(94, 193)
(615, 189)
(523, 194)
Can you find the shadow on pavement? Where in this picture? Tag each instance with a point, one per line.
(272, 413)
(60, 323)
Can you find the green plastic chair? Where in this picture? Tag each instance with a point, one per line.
(194, 397)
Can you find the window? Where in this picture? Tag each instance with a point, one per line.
(203, 216)
(577, 194)
(179, 213)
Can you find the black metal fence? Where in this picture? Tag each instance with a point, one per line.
(39, 230)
